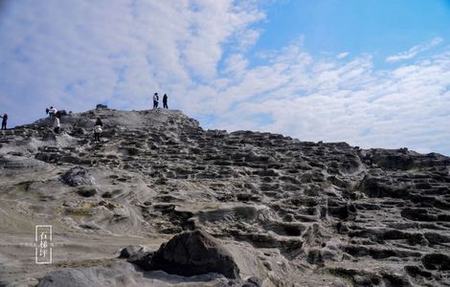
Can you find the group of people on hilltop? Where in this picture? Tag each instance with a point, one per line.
(55, 117)
(156, 101)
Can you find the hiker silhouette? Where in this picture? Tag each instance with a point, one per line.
(155, 100)
(165, 106)
(4, 121)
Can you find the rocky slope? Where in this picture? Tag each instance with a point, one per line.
(268, 210)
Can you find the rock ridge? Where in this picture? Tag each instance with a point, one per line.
(287, 211)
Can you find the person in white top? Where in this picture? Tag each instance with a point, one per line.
(56, 123)
(52, 112)
(155, 100)
(98, 129)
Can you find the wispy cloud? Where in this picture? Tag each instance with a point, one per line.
(342, 55)
(75, 54)
(316, 99)
(414, 51)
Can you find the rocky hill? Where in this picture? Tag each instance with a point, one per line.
(162, 202)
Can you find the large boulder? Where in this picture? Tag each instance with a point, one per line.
(192, 253)
(78, 176)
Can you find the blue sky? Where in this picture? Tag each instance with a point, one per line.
(374, 73)
(380, 27)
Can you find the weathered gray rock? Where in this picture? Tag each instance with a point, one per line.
(78, 176)
(436, 261)
(70, 278)
(193, 253)
(342, 215)
(17, 162)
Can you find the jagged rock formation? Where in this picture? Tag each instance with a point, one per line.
(290, 213)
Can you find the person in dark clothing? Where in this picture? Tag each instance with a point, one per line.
(98, 122)
(155, 100)
(98, 129)
(4, 121)
(165, 102)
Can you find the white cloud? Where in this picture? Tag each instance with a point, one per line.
(342, 55)
(75, 54)
(351, 101)
(414, 51)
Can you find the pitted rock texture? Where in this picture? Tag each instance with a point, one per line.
(292, 213)
(77, 176)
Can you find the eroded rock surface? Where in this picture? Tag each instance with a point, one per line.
(290, 213)
(77, 176)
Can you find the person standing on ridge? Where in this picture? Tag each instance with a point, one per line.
(165, 106)
(155, 101)
(4, 121)
(52, 112)
(98, 129)
(56, 123)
